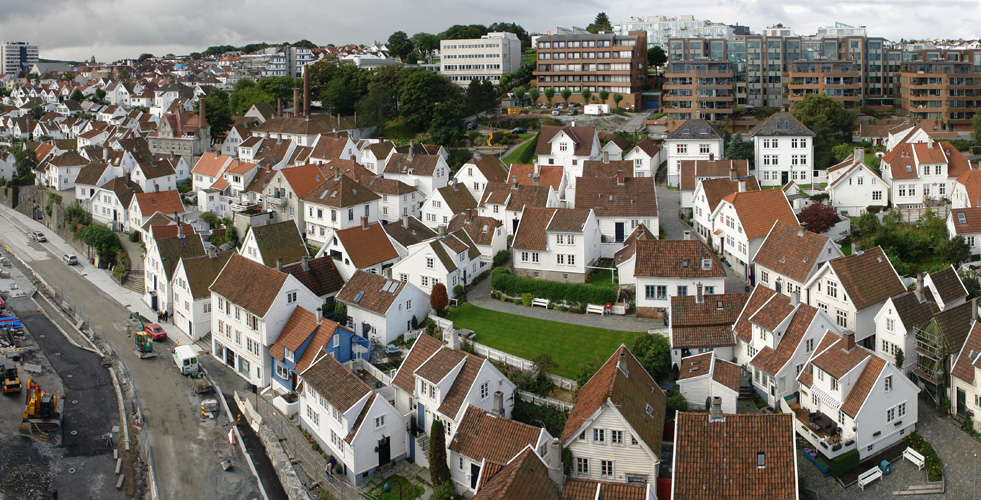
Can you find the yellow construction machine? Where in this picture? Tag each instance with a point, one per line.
(11, 381)
(41, 414)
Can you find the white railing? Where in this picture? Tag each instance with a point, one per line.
(538, 400)
(372, 370)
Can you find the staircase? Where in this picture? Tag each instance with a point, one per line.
(134, 281)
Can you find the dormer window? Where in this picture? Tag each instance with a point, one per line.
(760, 456)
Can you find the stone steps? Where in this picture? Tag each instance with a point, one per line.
(134, 281)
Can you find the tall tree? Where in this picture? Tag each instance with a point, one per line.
(603, 96)
(426, 44)
(280, 87)
(216, 110)
(656, 56)
(654, 354)
(447, 125)
(460, 32)
(519, 96)
(480, 96)
(617, 97)
(377, 107)
(438, 300)
(513, 28)
(245, 97)
(586, 94)
(533, 94)
(439, 469)
(830, 122)
(601, 23)
(399, 45)
(419, 93)
(566, 94)
(77, 96)
(549, 94)
(976, 125)
(25, 162)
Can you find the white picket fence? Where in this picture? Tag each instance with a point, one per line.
(538, 400)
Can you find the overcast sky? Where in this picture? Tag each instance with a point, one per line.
(114, 29)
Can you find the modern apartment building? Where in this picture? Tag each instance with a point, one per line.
(604, 61)
(841, 29)
(660, 29)
(942, 90)
(486, 58)
(699, 89)
(17, 56)
(839, 79)
(284, 60)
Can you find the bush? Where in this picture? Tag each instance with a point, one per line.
(340, 313)
(459, 291)
(934, 466)
(53, 199)
(844, 463)
(676, 402)
(134, 236)
(551, 417)
(526, 298)
(501, 257)
(445, 491)
(571, 293)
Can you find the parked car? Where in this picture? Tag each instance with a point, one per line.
(70, 259)
(471, 126)
(572, 112)
(38, 236)
(556, 112)
(519, 130)
(155, 331)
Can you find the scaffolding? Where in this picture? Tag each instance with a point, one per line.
(931, 353)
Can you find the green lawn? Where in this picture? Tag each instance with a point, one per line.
(570, 345)
(409, 491)
(602, 278)
(523, 153)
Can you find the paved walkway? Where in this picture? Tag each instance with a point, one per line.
(957, 450)
(479, 297)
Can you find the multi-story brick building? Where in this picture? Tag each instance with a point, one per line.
(700, 89)
(942, 90)
(604, 61)
(839, 79)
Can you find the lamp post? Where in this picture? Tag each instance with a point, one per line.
(388, 487)
(975, 494)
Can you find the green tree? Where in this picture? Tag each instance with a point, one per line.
(867, 224)
(67, 75)
(842, 151)
(340, 313)
(399, 45)
(480, 96)
(519, 96)
(566, 94)
(656, 56)
(461, 32)
(654, 354)
(102, 239)
(280, 87)
(210, 218)
(426, 44)
(738, 149)
(900, 357)
(603, 96)
(100, 95)
(419, 93)
(123, 74)
(217, 112)
(241, 100)
(77, 96)
(447, 125)
(676, 402)
(601, 23)
(830, 122)
(439, 470)
(305, 44)
(25, 162)
(144, 56)
(586, 94)
(549, 94)
(231, 234)
(377, 107)
(340, 96)
(36, 113)
(617, 97)
(976, 125)
(533, 94)
(954, 251)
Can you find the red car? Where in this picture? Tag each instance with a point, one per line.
(155, 331)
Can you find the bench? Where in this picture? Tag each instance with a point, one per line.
(593, 308)
(917, 459)
(541, 302)
(868, 476)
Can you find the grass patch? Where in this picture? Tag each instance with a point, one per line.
(602, 278)
(524, 153)
(846, 248)
(397, 129)
(571, 346)
(409, 490)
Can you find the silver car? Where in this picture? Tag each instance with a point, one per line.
(70, 259)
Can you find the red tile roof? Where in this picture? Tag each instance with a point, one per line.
(676, 259)
(367, 246)
(705, 324)
(588, 489)
(535, 222)
(791, 251)
(249, 284)
(867, 278)
(743, 329)
(549, 175)
(483, 434)
(692, 170)
(423, 348)
(758, 210)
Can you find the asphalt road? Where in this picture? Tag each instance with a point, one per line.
(183, 444)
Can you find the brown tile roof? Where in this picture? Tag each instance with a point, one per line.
(379, 185)
(461, 385)
(912, 312)
(790, 341)
(758, 210)
(610, 198)
(743, 329)
(320, 275)
(694, 366)
(772, 126)
(630, 244)
(969, 357)
(457, 197)
(166, 202)
(337, 384)
(726, 373)
(515, 198)
(304, 178)
(675, 258)
(340, 193)
(774, 312)
(423, 348)
(318, 124)
(440, 364)
(531, 232)
(123, 188)
(367, 245)
(863, 386)
(483, 434)
(377, 293)
(320, 339)
(524, 478)
(971, 225)
(409, 231)
(280, 240)
(329, 147)
(480, 229)
(201, 272)
(67, 159)
(156, 170)
(648, 146)
(298, 328)
(582, 138)
(589, 489)
(948, 285)
(955, 323)
(705, 324)
(211, 164)
(401, 163)
(719, 459)
(791, 251)
(692, 170)
(91, 173)
(717, 189)
(867, 278)
(491, 167)
(611, 168)
(172, 250)
(548, 175)
(249, 284)
(632, 392)
(349, 168)
(620, 142)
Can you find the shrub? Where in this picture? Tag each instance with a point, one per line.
(517, 302)
(934, 466)
(438, 299)
(552, 418)
(526, 298)
(844, 463)
(676, 402)
(439, 471)
(501, 257)
(459, 291)
(570, 293)
(340, 313)
(445, 491)
(134, 236)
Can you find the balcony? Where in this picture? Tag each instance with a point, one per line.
(829, 442)
(274, 200)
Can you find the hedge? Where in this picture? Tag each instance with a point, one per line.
(570, 293)
(844, 463)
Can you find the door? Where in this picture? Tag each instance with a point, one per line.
(961, 402)
(619, 232)
(153, 297)
(474, 476)
(514, 226)
(229, 358)
(384, 451)
(421, 417)
(784, 178)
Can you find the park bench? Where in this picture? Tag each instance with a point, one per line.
(917, 459)
(540, 302)
(868, 476)
(593, 308)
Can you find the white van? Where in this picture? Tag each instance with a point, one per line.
(186, 359)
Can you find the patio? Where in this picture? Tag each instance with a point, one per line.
(822, 432)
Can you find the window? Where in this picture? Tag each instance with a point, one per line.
(559, 239)
(606, 468)
(841, 317)
(560, 259)
(662, 292)
(764, 276)
(682, 149)
(888, 383)
(834, 384)
(429, 263)
(524, 256)
(703, 149)
(572, 259)
(424, 280)
(582, 466)
(534, 257)
(582, 436)
(820, 375)
(616, 437)
(890, 325)
(290, 297)
(484, 390)
(832, 289)
(380, 422)
(682, 290)
(599, 435)
(313, 416)
(890, 414)
(809, 345)
(649, 292)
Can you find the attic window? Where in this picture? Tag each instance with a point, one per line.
(706, 264)
(778, 124)
(961, 218)
(718, 305)
(358, 297)
(684, 131)
(650, 411)
(760, 460)
(704, 131)
(909, 169)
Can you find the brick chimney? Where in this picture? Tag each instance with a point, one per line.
(849, 340)
(306, 91)
(364, 223)
(620, 177)
(711, 156)
(296, 101)
(405, 221)
(279, 107)
(732, 172)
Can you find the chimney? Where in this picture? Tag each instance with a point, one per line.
(306, 91)
(412, 151)
(212, 251)
(606, 157)
(732, 172)
(849, 340)
(711, 156)
(305, 263)
(452, 338)
(515, 186)
(715, 412)
(536, 169)
(279, 264)
(555, 462)
(337, 174)
(470, 215)
(929, 142)
(622, 363)
(858, 155)
(795, 299)
(742, 186)
(105, 154)
(364, 223)
(202, 117)
(405, 221)
(279, 107)
(699, 298)
(919, 287)
(296, 101)
(620, 177)
(441, 231)
(687, 235)
(180, 230)
(320, 314)
(499, 403)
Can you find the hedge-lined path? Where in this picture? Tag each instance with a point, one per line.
(480, 297)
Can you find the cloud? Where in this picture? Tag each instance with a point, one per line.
(113, 29)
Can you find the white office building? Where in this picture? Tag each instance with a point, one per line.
(15, 56)
(487, 58)
(660, 28)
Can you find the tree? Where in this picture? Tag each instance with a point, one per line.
(533, 94)
(77, 96)
(377, 107)
(519, 96)
(399, 45)
(419, 93)
(231, 234)
(654, 354)
(92, 60)
(603, 96)
(513, 28)
(100, 95)
(216, 111)
(830, 122)
(566, 94)
(899, 358)
(818, 217)
(544, 364)
(277, 86)
(976, 125)
(241, 100)
(36, 113)
(438, 299)
(210, 218)
(601, 23)
(102, 239)
(25, 162)
(426, 44)
(842, 151)
(463, 32)
(586, 94)
(656, 56)
(67, 75)
(867, 224)
(676, 402)
(123, 74)
(954, 251)
(144, 56)
(549, 94)
(340, 96)
(304, 44)
(447, 125)
(617, 97)
(480, 96)
(340, 313)
(738, 149)
(439, 471)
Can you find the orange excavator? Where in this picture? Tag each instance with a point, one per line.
(41, 414)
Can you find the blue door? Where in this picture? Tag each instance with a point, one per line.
(421, 418)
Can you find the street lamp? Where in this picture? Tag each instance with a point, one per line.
(388, 487)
